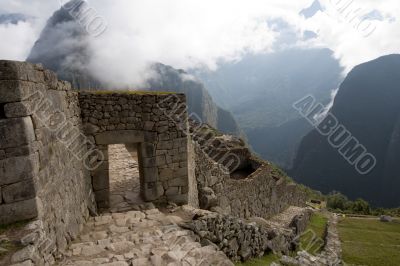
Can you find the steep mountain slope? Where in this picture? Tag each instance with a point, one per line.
(63, 47)
(368, 105)
(260, 90)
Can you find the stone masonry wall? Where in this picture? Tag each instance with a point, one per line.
(42, 175)
(262, 194)
(144, 118)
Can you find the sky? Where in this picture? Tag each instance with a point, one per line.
(192, 33)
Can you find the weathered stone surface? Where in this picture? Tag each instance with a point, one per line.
(23, 190)
(15, 169)
(16, 132)
(18, 211)
(121, 136)
(18, 109)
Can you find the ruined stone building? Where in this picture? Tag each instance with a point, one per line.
(55, 161)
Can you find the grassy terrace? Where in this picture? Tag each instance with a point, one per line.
(312, 239)
(367, 241)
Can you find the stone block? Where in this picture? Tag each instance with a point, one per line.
(172, 191)
(164, 145)
(148, 126)
(150, 194)
(178, 182)
(15, 90)
(150, 174)
(23, 190)
(15, 169)
(102, 198)
(18, 211)
(22, 150)
(18, 109)
(120, 136)
(179, 199)
(101, 180)
(166, 174)
(150, 136)
(13, 70)
(148, 149)
(16, 132)
(149, 162)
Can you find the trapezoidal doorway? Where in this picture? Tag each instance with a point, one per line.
(124, 176)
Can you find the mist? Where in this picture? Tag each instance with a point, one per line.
(192, 34)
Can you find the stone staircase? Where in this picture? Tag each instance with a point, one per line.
(140, 238)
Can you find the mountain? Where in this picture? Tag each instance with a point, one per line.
(367, 105)
(260, 90)
(63, 47)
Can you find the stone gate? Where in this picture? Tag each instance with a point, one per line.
(142, 118)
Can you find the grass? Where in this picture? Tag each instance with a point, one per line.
(264, 261)
(370, 242)
(312, 240)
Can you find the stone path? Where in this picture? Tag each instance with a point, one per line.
(140, 238)
(124, 178)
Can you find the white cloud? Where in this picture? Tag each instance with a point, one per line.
(354, 39)
(189, 33)
(18, 40)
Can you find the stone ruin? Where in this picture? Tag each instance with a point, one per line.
(54, 165)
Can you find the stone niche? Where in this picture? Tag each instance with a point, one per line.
(156, 124)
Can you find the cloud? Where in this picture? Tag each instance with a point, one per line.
(352, 36)
(192, 33)
(18, 39)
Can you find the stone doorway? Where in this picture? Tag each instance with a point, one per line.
(124, 176)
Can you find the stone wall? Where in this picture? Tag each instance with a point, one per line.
(241, 240)
(42, 176)
(149, 119)
(263, 193)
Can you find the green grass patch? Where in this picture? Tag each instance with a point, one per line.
(264, 261)
(312, 239)
(370, 242)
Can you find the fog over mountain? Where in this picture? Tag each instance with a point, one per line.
(64, 47)
(367, 104)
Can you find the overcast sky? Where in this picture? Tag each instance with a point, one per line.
(192, 33)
